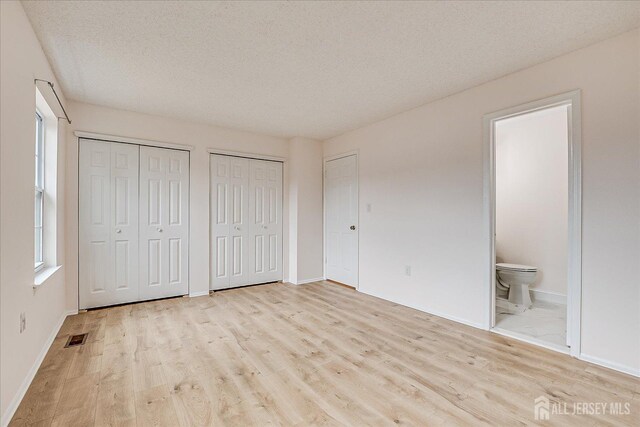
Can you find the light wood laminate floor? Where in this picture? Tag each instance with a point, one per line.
(316, 354)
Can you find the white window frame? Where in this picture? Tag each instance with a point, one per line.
(39, 194)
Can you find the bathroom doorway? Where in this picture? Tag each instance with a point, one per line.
(533, 199)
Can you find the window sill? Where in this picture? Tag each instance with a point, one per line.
(43, 275)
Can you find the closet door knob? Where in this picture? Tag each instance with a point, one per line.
(159, 230)
(353, 227)
(118, 231)
(264, 226)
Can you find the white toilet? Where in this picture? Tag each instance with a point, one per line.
(516, 279)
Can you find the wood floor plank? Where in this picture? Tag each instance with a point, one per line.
(116, 401)
(77, 403)
(155, 408)
(317, 354)
(39, 404)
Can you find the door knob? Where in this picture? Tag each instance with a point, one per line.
(159, 230)
(353, 227)
(118, 231)
(237, 228)
(264, 226)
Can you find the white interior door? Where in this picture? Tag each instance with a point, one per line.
(246, 221)
(229, 219)
(164, 222)
(219, 242)
(265, 211)
(238, 221)
(341, 220)
(108, 223)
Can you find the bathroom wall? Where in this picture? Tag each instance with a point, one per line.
(532, 195)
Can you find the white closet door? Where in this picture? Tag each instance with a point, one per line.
(229, 218)
(246, 221)
(124, 211)
(164, 222)
(108, 223)
(265, 211)
(220, 210)
(341, 215)
(238, 222)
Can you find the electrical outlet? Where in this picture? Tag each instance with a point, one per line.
(407, 270)
(23, 322)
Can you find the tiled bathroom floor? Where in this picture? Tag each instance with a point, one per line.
(545, 321)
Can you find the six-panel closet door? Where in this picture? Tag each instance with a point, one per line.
(164, 222)
(229, 218)
(265, 221)
(246, 221)
(133, 223)
(108, 223)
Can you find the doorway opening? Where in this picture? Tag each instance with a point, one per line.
(533, 186)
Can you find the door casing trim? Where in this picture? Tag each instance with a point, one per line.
(572, 100)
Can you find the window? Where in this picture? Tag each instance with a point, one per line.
(45, 177)
(39, 193)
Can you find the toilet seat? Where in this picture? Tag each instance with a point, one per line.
(515, 267)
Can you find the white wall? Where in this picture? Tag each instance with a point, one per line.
(422, 172)
(305, 212)
(91, 118)
(22, 60)
(532, 180)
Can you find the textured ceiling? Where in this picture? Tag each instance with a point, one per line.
(314, 69)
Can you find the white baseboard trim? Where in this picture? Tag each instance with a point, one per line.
(452, 318)
(304, 282)
(432, 312)
(547, 296)
(198, 294)
(611, 365)
(22, 390)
